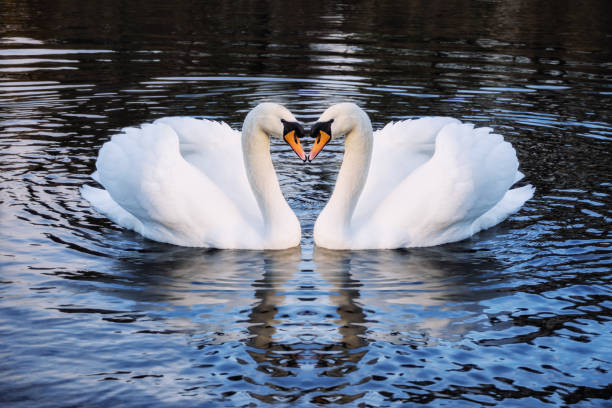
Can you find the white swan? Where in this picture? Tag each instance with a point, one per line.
(199, 183)
(414, 183)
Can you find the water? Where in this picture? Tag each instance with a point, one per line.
(93, 315)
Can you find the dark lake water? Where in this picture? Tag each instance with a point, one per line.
(94, 315)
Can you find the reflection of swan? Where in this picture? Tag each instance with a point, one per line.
(199, 183)
(417, 292)
(205, 292)
(415, 183)
(336, 267)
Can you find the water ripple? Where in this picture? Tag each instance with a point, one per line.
(519, 314)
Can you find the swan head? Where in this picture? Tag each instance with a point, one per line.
(337, 121)
(277, 121)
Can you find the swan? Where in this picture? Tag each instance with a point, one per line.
(414, 183)
(198, 183)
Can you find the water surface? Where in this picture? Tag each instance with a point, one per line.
(94, 315)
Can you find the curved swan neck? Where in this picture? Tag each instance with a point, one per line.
(262, 177)
(353, 172)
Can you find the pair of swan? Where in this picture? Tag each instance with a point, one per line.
(413, 183)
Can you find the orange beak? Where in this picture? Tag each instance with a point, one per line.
(293, 141)
(320, 143)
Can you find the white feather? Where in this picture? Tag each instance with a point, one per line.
(184, 181)
(430, 181)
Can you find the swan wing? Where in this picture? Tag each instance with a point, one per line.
(215, 149)
(464, 187)
(397, 149)
(153, 189)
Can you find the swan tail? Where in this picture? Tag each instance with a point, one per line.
(103, 203)
(512, 201)
(518, 177)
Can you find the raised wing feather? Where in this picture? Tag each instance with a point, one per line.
(216, 150)
(180, 199)
(397, 150)
(460, 190)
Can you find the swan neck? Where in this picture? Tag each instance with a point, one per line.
(352, 176)
(262, 177)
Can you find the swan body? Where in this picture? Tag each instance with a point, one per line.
(199, 183)
(414, 183)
